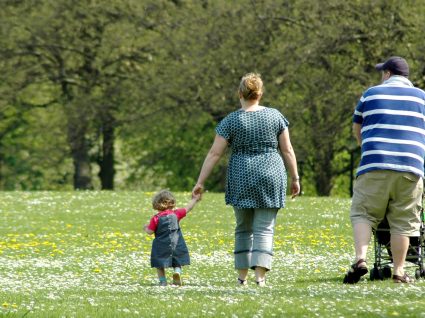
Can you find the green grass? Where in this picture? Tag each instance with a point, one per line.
(83, 254)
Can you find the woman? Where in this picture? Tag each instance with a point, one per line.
(256, 175)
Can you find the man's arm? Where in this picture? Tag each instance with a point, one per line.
(357, 133)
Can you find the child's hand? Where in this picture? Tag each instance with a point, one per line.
(195, 198)
(147, 230)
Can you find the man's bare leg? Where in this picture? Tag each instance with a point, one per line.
(399, 248)
(362, 234)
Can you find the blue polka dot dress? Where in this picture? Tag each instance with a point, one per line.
(256, 175)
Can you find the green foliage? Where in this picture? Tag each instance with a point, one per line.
(142, 84)
(36, 152)
(172, 158)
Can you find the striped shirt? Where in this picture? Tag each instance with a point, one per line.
(392, 119)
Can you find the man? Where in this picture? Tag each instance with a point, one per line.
(389, 124)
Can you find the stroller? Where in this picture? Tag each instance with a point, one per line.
(383, 257)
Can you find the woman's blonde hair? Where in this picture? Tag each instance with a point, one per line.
(251, 86)
(163, 200)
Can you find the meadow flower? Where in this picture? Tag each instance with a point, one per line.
(102, 260)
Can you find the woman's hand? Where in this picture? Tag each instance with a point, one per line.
(295, 187)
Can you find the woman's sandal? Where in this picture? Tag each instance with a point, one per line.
(402, 279)
(242, 282)
(261, 283)
(355, 272)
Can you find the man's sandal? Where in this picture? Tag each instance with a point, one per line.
(355, 272)
(402, 279)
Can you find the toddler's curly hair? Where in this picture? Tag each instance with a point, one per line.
(163, 200)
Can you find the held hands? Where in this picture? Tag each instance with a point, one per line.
(197, 191)
(196, 197)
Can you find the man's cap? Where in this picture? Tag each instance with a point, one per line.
(396, 65)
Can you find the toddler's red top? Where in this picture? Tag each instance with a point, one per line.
(153, 224)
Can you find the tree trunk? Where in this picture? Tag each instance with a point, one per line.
(323, 173)
(80, 157)
(1, 173)
(106, 160)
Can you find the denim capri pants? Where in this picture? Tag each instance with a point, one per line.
(254, 237)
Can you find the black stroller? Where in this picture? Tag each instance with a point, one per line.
(383, 257)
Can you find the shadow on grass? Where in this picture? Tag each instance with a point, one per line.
(200, 288)
(324, 279)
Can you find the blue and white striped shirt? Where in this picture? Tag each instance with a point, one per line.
(392, 119)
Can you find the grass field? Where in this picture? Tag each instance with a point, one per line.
(83, 254)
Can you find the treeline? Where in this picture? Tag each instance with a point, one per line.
(125, 94)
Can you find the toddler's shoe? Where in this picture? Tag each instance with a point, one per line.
(162, 283)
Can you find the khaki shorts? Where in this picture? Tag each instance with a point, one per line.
(396, 195)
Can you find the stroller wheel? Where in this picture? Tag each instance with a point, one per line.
(386, 272)
(372, 274)
(376, 274)
(418, 273)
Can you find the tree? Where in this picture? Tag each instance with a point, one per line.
(322, 59)
(84, 51)
(139, 86)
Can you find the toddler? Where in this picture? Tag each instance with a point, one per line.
(168, 248)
